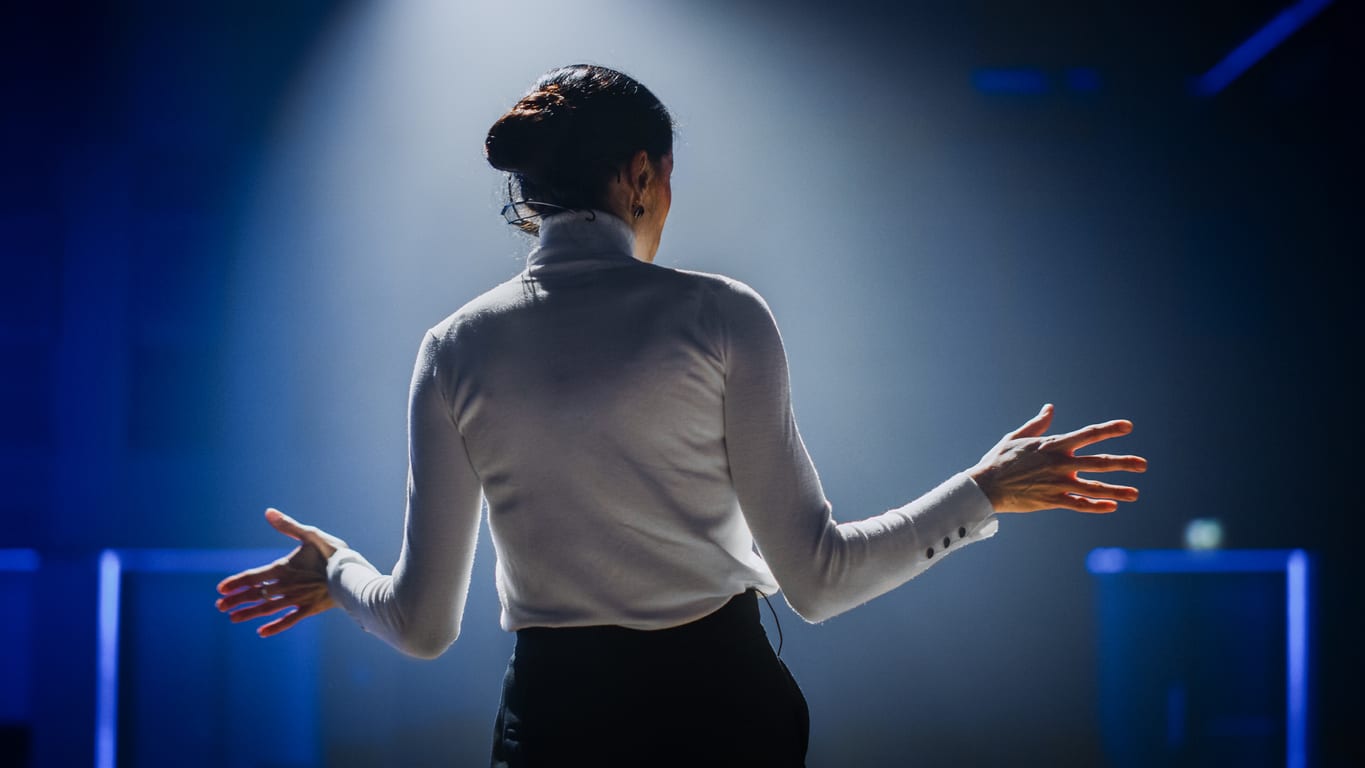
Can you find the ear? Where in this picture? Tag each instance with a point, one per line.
(641, 170)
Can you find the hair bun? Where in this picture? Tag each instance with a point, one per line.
(564, 142)
(525, 137)
(545, 100)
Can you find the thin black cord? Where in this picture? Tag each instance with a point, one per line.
(513, 215)
(776, 623)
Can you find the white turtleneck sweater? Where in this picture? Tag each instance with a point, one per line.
(631, 427)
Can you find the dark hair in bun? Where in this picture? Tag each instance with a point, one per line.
(564, 141)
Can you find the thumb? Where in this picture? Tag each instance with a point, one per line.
(308, 534)
(1036, 425)
(285, 524)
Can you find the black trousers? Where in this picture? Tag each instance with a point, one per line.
(707, 693)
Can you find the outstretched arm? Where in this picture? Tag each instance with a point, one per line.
(825, 567)
(418, 608)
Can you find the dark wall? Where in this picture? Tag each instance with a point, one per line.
(224, 230)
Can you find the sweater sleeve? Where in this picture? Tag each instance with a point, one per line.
(418, 608)
(823, 567)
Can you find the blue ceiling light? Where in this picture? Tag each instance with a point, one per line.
(1017, 81)
(1276, 31)
(1082, 80)
(1031, 81)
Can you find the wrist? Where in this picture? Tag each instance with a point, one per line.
(984, 476)
(326, 544)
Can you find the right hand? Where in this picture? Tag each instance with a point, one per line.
(296, 583)
(1029, 471)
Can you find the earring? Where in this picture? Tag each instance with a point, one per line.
(638, 211)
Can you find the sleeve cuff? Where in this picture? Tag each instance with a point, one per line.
(988, 523)
(337, 563)
(959, 516)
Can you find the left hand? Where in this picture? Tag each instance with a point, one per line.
(297, 580)
(1029, 470)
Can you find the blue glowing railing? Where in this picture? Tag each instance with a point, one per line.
(1292, 563)
(292, 659)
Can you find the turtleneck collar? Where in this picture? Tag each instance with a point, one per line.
(582, 236)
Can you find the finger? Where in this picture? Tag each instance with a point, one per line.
(256, 594)
(1097, 490)
(253, 577)
(1083, 504)
(1034, 426)
(246, 596)
(286, 621)
(294, 529)
(281, 624)
(271, 591)
(260, 608)
(1093, 434)
(285, 524)
(1104, 462)
(276, 599)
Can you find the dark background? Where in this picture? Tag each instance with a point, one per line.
(225, 227)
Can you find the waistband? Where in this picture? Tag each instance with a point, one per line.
(736, 621)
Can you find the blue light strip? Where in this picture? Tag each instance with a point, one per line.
(1276, 31)
(1296, 597)
(106, 661)
(196, 560)
(19, 560)
(1292, 562)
